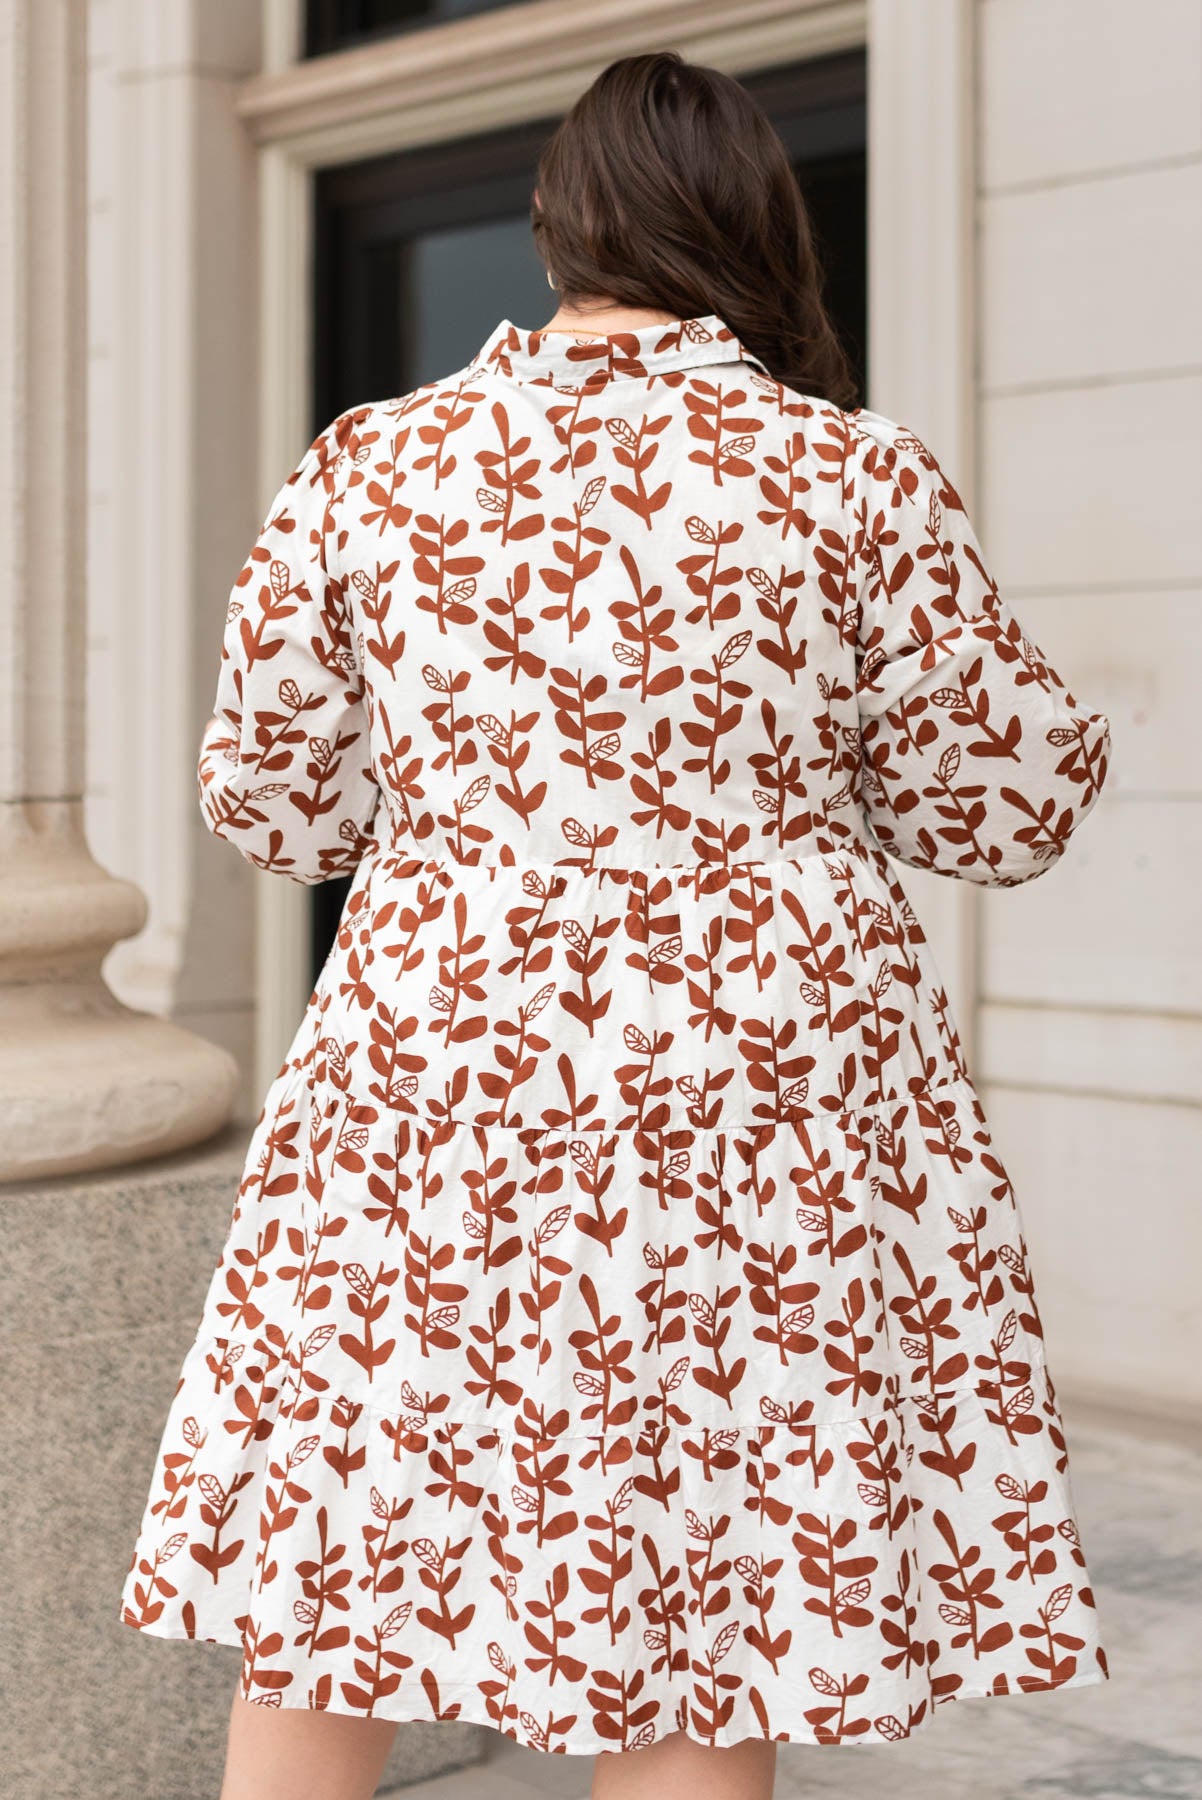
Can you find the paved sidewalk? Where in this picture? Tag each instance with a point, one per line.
(1136, 1737)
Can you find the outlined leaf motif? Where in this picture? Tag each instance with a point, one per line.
(552, 1224)
(622, 433)
(395, 1620)
(702, 1311)
(593, 491)
(212, 1490)
(734, 648)
(825, 1684)
(949, 763)
(1058, 1603)
(622, 1499)
(954, 1615)
(854, 1594)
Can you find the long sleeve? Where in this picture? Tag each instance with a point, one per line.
(284, 770)
(976, 760)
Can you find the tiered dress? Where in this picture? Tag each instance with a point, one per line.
(625, 1324)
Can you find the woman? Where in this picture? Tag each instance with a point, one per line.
(625, 1336)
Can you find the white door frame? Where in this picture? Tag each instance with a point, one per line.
(530, 60)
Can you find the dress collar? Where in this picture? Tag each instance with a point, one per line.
(559, 359)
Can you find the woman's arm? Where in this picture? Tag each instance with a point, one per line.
(284, 771)
(976, 760)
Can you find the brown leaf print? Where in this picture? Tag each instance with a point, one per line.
(625, 1322)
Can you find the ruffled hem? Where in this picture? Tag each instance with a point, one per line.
(762, 1580)
(415, 1704)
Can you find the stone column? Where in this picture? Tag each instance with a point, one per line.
(85, 1082)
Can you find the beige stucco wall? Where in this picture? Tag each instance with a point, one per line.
(1089, 392)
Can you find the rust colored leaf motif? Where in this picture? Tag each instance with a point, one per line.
(625, 1322)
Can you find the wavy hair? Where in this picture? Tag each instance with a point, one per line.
(666, 186)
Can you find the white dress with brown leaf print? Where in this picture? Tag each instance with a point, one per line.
(625, 1324)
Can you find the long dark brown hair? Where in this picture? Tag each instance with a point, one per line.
(666, 186)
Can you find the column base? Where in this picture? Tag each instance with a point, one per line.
(87, 1083)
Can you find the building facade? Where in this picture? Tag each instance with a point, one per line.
(1029, 274)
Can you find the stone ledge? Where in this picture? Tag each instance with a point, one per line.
(101, 1289)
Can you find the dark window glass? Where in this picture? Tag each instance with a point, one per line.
(338, 24)
(420, 253)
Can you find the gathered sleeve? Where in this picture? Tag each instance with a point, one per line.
(285, 771)
(975, 759)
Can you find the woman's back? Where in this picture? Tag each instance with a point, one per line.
(634, 646)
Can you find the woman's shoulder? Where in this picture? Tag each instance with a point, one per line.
(880, 430)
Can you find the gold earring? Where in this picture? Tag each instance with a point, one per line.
(551, 282)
